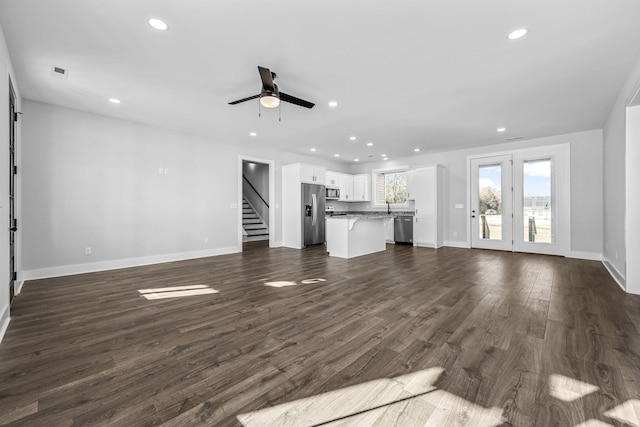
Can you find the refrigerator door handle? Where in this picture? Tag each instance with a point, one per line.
(314, 207)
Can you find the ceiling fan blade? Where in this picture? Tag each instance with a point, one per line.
(297, 101)
(244, 99)
(267, 80)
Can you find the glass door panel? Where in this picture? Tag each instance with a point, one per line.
(536, 201)
(491, 203)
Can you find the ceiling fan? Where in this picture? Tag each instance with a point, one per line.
(270, 96)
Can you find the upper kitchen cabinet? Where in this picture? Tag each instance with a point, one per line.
(427, 227)
(331, 179)
(362, 188)
(345, 182)
(353, 188)
(411, 184)
(310, 174)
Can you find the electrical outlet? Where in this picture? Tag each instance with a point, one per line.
(455, 234)
(166, 171)
(206, 240)
(87, 251)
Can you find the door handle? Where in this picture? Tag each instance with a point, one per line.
(14, 229)
(473, 212)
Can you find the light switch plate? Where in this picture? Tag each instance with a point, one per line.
(459, 206)
(234, 206)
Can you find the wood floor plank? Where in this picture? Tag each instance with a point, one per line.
(507, 333)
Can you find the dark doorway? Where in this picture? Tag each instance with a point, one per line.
(13, 170)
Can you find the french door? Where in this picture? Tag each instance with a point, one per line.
(491, 203)
(520, 201)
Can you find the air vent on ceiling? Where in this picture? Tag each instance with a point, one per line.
(59, 72)
(514, 138)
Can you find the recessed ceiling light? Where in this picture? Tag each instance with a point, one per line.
(369, 144)
(352, 138)
(356, 160)
(333, 103)
(336, 155)
(416, 149)
(253, 134)
(114, 101)
(386, 158)
(501, 129)
(383, 155)
(313, 149)
(518, 33)
(158, 24)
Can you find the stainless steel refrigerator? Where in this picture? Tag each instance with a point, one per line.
(313, 201)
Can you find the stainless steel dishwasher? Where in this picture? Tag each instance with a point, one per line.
(403, 229)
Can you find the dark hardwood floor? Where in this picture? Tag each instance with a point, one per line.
(548, 341)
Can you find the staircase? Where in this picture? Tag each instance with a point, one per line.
(254, 227)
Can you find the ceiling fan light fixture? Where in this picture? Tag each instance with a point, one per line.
(270, 101)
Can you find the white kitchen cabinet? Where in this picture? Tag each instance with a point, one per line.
(411, 184)
(311, 174)
(427, 227)
(389, 233)
(331, 179)
(292, 177)
(362, 188)
(353, 188)
(346, 187)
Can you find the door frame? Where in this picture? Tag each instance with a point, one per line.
(272, 198)
(563, 151)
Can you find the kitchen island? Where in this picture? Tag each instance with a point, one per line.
(349, 236)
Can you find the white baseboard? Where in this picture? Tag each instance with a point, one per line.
(463, 245)
(19, 283)
(68, 270)
(277, 244)
(619, 278)
(585, 255)
(4, 321)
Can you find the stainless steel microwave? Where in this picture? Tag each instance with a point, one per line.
(333, 193)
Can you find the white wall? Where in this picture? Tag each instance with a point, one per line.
(615, 180)
(586, 186)
(93, 181)
(6, 72)
(633, 200)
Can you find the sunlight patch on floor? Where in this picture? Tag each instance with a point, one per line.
(176, 291)
(594, 423)
(628, 412)
(567, 389)
(284, 283)
(405, 400)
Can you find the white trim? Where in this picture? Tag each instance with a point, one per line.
(277, 244)
(592, 256)
(374, 173)
(451, 244)
(67, 270)
(4, 321)
(619, 278)
(19, 283)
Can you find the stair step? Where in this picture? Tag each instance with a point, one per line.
(248, 215)
(258, 232)
(251, 221)
(254, 226)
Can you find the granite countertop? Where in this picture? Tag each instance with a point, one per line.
(369, 214)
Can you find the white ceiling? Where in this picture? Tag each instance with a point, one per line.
(437, 75)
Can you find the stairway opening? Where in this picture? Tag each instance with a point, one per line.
(255, 201)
